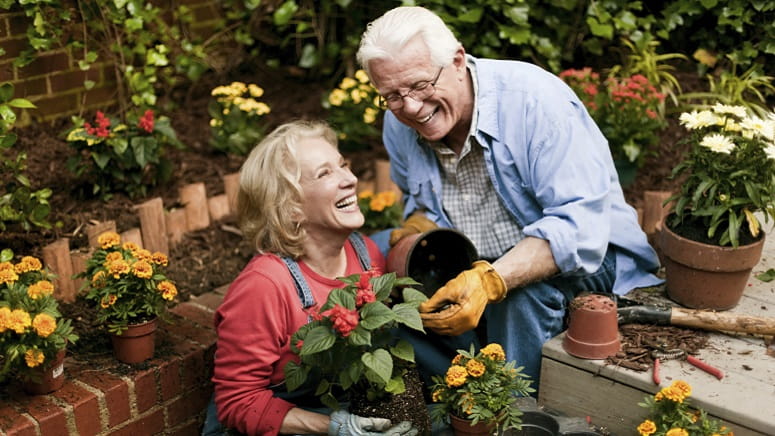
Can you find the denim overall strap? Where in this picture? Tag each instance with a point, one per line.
(302, 288)
(359, 245)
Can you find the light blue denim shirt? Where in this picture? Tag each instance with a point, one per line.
(550, 166)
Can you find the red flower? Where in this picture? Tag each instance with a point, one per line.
(345, 320)
(146, 121)
(102, 130)
(364, 296)
(314, 313)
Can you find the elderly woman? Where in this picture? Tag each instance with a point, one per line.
(297, 203)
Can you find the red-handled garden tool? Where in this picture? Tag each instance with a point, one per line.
(679, 354)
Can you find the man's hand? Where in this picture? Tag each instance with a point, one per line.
(344, 423)
(416, 223)
(465, 297)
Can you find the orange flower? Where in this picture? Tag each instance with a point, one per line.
(44, 324)
(677, 431)
(113, 256)
(118, 267)
(159, 258)
(27, 264)
(685, 388)
(494, 352)
(167, 289)
(142, 269)
(19, 321)
(108, 301)
(475, 368)
(108, 240)
(5, 319)
(42, 288)
(131, 246)
(7, 273)
(646, 428)
(34, 357)
(456, 376)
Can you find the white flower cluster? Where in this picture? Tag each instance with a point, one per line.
(724, 124)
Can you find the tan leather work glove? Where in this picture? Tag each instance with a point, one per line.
(416, 223)
(465, 297)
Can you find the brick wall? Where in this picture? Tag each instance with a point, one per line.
(54, 82)
(166, 395)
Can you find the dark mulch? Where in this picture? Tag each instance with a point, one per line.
(640, 340)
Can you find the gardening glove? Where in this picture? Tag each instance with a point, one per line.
(344, 423)
(457, 306)
(416, 223)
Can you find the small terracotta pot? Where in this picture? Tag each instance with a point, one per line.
(137, 343)
(51, 377)
(703, 276)
(432, 258)
(463, 427)
(593, 331)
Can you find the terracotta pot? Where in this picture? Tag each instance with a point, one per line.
(50, 377)
(703, 276)
(137, 343)
(432, 258)
(593, 330)
(463, 427)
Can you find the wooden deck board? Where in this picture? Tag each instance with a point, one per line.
(744, 399)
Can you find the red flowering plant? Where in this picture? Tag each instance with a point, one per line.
(351, 343)
(626, 109)
(32, 331)
(112, 156)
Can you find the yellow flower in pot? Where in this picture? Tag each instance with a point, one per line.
(33, 334)
(728, 176)
(127, 286)
(381, 210)
(670, 414)
(481, 388)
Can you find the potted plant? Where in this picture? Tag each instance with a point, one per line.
(130, 292)
(713, 232)
(381, 210)
(626, 109)
(33, 334)
(350, 347)
(479, 389)
(670, 414)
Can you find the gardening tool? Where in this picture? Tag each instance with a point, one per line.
(659, 353)
(630, 311)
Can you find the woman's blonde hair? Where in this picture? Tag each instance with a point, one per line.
(269, 201)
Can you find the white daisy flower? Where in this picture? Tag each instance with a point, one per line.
(718, 143)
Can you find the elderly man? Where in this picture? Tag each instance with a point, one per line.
(506, 153)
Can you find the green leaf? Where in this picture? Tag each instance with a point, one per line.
(472, 16)
(406, 313)
(309, 56)
(6, 92)
(318, 339)
(403, 350)
(284, 13)
(396, 385)
(341, 297)
(21, 103)
(6, 255)
(360, 336)
(379, 362)
(375, 315)
(766, 276)
(295, 375)
(413, 296)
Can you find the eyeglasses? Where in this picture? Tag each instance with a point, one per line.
(419, 92)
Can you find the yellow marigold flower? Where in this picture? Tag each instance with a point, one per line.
(377, 101)
(337, 97)
(673, 394)
(143, 254)
(113, 256)
(167, 289)
(646, 428)
(262, 108)
(677, 431)
(369, 115)
(33, 357)
(27, 264)
(684, 387)
(356, 96)
(436, 395)
(108, 301)
(362, 76)
(5, 319)
(7, 273)
(456, 360)
(255, 90)
(467, 402)
(389, 197)
(220, 91)
(97, 277)
(142, 269)
(347, 83)
(366, 193)
(44, 324)
(659, 396)
(108, 240)
(456, 376)
(42, 288)
(159, 258)
(238, 88)
(475, 368)
(130, 246)
(118, 267)
(494, 352)
(377, 204)
(19, 321)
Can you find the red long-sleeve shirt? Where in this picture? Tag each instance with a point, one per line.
(254, 323)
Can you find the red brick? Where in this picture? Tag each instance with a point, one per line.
(72, 79)
(116, 395)
(3, 28)
(183, 328)
(194, 370)
(15, 424)
(169, 379)
(6, 72)
(50, 417)
(18, 24)
(188, 406)
(199, 315)
(99, 96)
(145, 390)
(151, 424)
(31, 87)
(85, 408)
(13, 47)
(55, 105)
(46, 64)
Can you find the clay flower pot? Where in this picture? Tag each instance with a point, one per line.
(704, 276)
(51, 377)
(463, 427)
(137, 343)
(432, 258)
(593, 331)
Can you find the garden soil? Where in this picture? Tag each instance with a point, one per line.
(209, 258)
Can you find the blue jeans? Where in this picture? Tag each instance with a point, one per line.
(521, 323)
